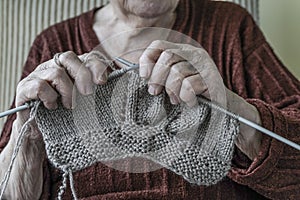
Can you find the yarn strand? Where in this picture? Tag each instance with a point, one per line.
(72, 184)
(67, 172)
(17, 147)
(63, 186)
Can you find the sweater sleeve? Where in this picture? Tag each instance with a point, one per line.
(37, 54)
(275, 92)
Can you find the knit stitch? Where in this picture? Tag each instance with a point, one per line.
(122, 120)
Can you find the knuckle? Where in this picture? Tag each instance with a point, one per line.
(67, 56)
(39, 86)
(83, 57)
(21, 84)
(169, 91)
(144, 58)
(177, 68)
(167, 55)
(156, 43)
(174, 80)
(58, 73)
(177, 80)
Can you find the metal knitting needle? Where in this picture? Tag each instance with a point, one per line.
(241, 119)
(253, 125)
(130, 66)
(15, 110)
(117, 73)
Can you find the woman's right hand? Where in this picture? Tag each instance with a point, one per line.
(47, 82)
(53, 79)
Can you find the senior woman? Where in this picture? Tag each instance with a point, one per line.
(258, 87)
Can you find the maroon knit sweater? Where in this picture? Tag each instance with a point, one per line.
(249, 68)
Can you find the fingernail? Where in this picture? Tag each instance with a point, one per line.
(174, 100)
(88, 90)
(67, 103)
(153, 90)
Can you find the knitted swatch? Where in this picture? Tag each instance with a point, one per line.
(121, 119)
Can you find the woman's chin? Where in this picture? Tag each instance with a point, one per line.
(149, 13)
(151, 8)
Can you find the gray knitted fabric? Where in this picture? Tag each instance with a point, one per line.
(121, 120)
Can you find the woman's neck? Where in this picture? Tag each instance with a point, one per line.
(120, 34)
(115, 15)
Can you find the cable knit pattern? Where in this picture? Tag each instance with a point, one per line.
(122, 120)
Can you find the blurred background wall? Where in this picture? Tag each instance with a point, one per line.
(279, 20)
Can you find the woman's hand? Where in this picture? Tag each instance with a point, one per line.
(49, 81)
(53, 79)
(185, 71)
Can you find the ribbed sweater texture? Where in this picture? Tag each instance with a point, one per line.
(248, 67)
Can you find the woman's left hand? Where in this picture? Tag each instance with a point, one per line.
(185, 71)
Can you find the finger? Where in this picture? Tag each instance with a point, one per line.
(161, 71)
(147, 62)
(150, 56)
(174, 99)
(36, 89)
(75, 68)
(58, 78)
(190, 88)
(95, 63)
(178, 73)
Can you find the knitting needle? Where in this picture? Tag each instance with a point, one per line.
(252, 124)
(130, 66)
(241, 119)
(14, 110)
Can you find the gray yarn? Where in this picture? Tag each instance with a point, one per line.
(122, 120)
